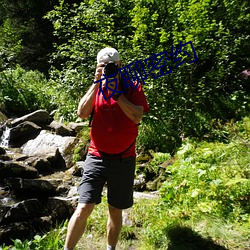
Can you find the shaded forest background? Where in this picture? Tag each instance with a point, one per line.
(48, 57)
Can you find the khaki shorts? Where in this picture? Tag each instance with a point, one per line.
(118, 173)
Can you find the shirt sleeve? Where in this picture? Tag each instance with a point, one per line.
(138, 97)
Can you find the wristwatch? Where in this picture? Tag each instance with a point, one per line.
(116, 96)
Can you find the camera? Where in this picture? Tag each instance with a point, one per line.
(111, 69)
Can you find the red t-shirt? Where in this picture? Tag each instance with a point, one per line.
(112, 131)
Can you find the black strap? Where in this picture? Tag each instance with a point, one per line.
(91, 116)
(119, 155)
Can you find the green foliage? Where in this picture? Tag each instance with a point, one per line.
(82, 146)
(26, 38)
(24, 91)
(10, 44)
(212, 178)
(183, 103)
(52, 240)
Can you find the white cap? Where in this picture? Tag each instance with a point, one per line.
(108, 54)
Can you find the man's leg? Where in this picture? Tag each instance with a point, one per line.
(77, 224)
(114, 225)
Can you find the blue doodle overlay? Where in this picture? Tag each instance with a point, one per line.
(136, 71)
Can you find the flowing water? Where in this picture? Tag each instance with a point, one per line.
(4, 139)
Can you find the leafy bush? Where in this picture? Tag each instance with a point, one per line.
(24, 91)
(212, 178)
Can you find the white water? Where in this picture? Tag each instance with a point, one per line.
(4, 140)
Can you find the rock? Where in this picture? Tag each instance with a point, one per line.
(73, 192)
(60, 208)
(78, 126)
(2, 151)
(42, 165)
(76, 170)
(55, 159)
(61, 129)
(17, 230)
(39, 117)
(3, 210)
(23, 132)
(140, 182)
(34, 187)
(35, 173)
(16, 169)
(44, 223)
(23, 211)
(47, 141)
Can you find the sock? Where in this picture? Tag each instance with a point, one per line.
(110, 247)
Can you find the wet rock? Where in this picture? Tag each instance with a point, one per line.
(34, 187)
(55, 159)
(23, 132)
(76, 170)
(39, 117)
(44, 223)
(47, 141)
(60, 208)
(61, 129)
(17, 230)
(4, 158)
(140, 182)
(16, 169)
(2, 151)
(42, 165)
(78, 126)
(23, 211)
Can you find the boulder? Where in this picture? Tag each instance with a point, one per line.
(36, 187)
(23, 211)
(78, 126)
(61, 208)
(39, 117)
(23, 132)
(16, 169)
(17, 230)
(42, 165)
(48, 142)
(2, 151)
(61, 129)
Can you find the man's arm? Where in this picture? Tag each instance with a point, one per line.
(87, 102)
(134, 112)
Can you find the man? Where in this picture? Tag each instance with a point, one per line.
(111, 154)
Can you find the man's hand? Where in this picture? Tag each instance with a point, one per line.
(99, 71)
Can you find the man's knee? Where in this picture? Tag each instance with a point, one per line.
(83, 210)
(113, 211)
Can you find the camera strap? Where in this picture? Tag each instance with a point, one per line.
(91, 116)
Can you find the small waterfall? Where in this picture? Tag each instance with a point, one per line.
(4, 140)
